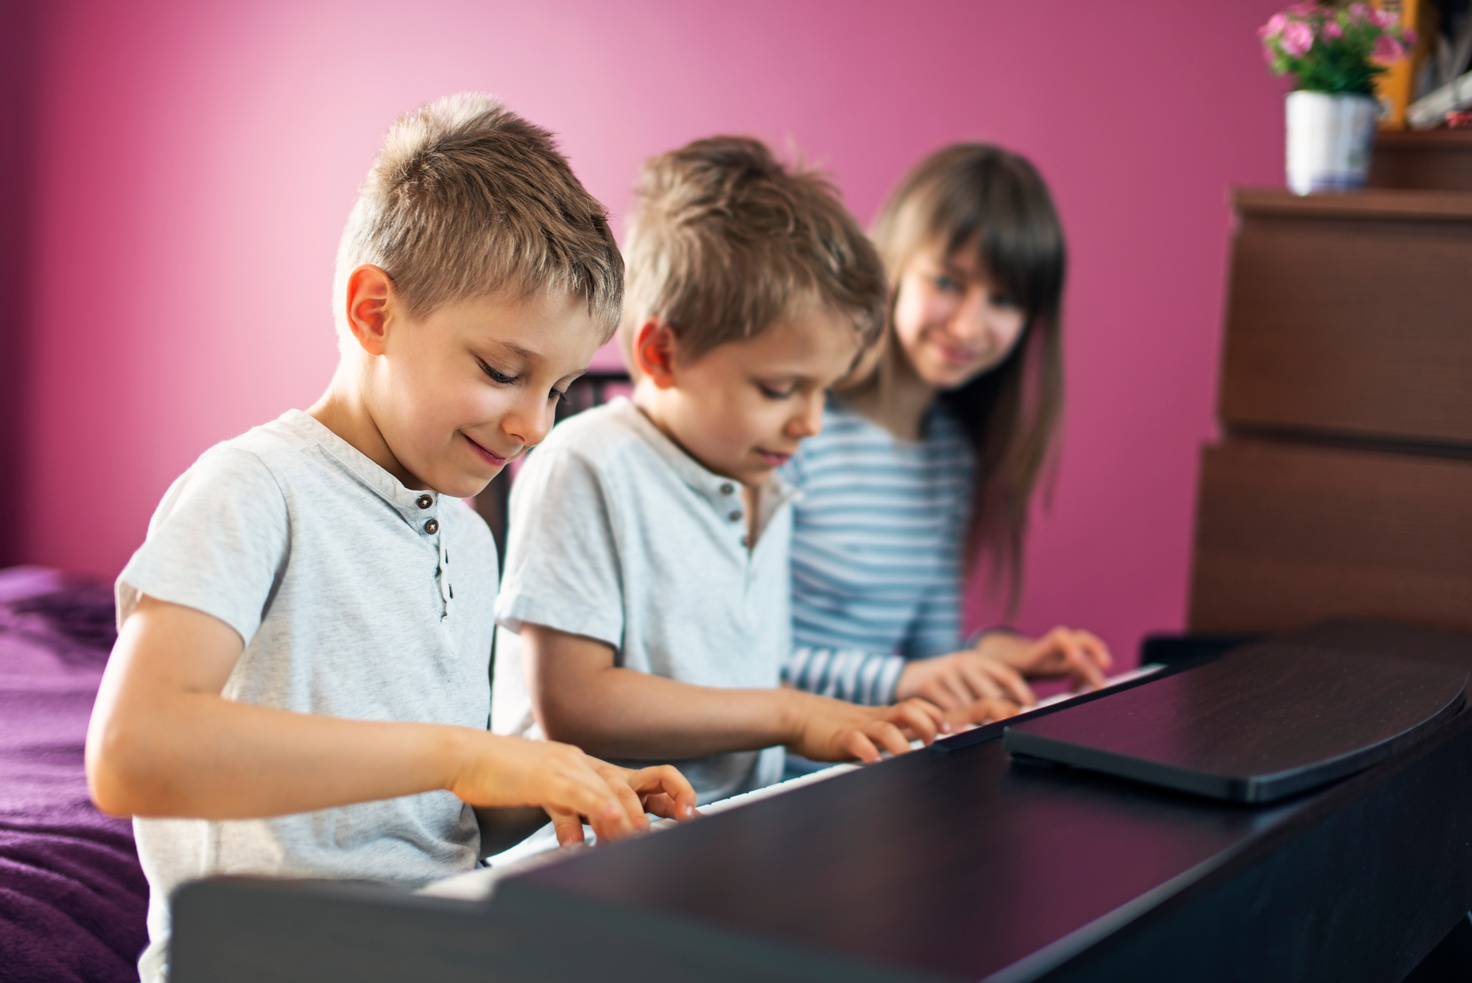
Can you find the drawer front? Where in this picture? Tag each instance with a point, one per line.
(1429, 159)
(1353, 326)
(1289, 534)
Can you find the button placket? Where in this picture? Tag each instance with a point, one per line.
(447, 587)
(431, 527)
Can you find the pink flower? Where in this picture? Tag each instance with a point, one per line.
(1388, 48)
(1408, 39)
(1332, 29)
(1273, 27)
(1359, 12)
(1304, 9)
(1382, 18)
(1298, 37)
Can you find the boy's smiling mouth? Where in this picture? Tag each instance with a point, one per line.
(493, 459)
(774, 459)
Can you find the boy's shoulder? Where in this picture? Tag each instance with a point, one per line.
(270, 449)
(602, 437)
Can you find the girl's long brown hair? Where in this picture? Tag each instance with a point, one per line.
(978, 196)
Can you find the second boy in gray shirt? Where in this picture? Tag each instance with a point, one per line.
(605, 516)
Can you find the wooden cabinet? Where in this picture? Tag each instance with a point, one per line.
(1351, 314)
(1293, 532)
(1342, 484)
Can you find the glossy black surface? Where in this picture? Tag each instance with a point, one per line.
(956, 863)
(939, 865)
(1266, 722)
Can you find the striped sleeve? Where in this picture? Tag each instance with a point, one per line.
(876, 553)
(869, 678)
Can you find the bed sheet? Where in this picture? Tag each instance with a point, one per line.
(72, 896)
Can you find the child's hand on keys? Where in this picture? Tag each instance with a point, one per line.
(983, 711)
(1079, 655)
(570, 785)
(958, 681)
(836, 730)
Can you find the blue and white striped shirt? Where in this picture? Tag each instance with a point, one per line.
(876, 552)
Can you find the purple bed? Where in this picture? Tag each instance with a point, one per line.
(72, 897)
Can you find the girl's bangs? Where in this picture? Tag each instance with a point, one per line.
(1011, 222)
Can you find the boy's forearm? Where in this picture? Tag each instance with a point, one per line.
(622, 713)
(164, 742)
(207, 757)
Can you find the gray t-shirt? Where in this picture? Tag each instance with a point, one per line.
(356, 597)
(619, 535)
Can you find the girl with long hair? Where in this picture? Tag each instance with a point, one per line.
(930, 455)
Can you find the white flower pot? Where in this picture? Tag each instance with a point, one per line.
(1329, 141)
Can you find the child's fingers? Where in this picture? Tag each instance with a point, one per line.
(1002, 709)
(1097, 651)
(888, 736)
(1080, 660)
(1013, 686)
(567, 825)
(924, 720)
(1002, 682)
(985, 711)
(961, 682)
(665, 781)
(581, 790)
(633, 819)
(857, 744)
(659, 804)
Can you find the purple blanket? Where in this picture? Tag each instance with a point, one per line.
(72, 897)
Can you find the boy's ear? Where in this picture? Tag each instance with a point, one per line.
(370, 295)
(654, 352)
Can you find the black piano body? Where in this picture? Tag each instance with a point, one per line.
(942, 865)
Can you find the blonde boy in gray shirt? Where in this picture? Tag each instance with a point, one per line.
(299, 682)
(647, 565)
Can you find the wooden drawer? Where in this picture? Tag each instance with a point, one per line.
(1288, 533)
(1429, 159)
(1351, 314)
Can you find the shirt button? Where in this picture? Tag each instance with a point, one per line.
(424, 501)
(432, 527)
(735, 516)
(727, 488)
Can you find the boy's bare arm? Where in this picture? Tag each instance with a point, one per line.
(164, 742)
(581, 697)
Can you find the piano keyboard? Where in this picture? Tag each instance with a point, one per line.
(541, 847)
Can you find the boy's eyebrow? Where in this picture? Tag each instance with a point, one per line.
(526, 354)
(516, 349)
(511, 347)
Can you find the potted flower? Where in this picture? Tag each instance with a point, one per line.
(1333, 54)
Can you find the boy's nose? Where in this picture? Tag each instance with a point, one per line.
(809, 420)
(530, 424)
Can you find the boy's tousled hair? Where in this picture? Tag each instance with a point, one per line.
(464, 199)
(975, 196)
(725, 241)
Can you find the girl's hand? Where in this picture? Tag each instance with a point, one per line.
(983, 711)
(570, 785)
(836, 730)
(1079, 655)
(960, 680)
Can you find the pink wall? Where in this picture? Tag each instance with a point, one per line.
(196, 162)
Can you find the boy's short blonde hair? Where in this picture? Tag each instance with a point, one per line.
(724, 242)
(465, 198)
